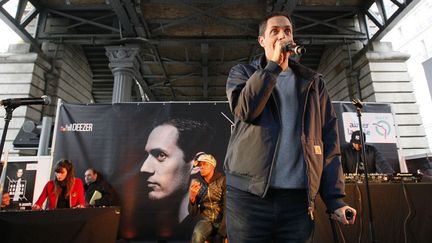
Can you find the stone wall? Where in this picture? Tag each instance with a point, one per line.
(383, 78)
(61, 72)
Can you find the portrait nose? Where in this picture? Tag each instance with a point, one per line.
(147, 165)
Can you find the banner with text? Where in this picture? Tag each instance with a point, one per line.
(377, 124)
(145, 150)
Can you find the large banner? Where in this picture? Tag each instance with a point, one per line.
(145, 151)
(377, 123)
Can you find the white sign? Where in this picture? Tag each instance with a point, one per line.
(378, 127)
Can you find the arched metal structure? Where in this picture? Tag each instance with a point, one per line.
(187, 47)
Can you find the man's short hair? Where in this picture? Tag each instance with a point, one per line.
(96, 172)
(191, 133)
(263, 24)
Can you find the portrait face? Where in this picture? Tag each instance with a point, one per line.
(6, 199)
(278, 27)
(61, 174)
(90, 176)
(205, 168)
(19, 173)
(165, 165)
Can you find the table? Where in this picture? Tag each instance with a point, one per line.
(396, 215)
(60, 225)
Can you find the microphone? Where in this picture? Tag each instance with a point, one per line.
(298, 50)
(349, 214)
(357, 103)
(15, 102)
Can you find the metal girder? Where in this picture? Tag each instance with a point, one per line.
(204, 65)
(93, 19)
(384, 22)
(165, 73)
(381, 10)
(29, 17)
(209, 13)
(129, 26)
(302, 8)
(119, 8)
(363, 25)
(282, 5)
(20, 9)
(83, 20)
(111, 39)
(325, 23)
(221, 19)
(16, 24)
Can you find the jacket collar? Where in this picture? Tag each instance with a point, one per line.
(215, 176)
(303, 73)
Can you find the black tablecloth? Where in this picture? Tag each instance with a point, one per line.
(397, 216)
(61, 225)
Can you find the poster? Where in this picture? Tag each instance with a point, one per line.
(377, 123)
(25, 177)
(20, 181)
(145, 150)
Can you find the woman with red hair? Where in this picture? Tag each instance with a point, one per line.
(65, 191)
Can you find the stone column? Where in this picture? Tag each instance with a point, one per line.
(124, 65)
(384, 78)
(381, 75)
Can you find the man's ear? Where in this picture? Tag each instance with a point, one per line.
(261, 40)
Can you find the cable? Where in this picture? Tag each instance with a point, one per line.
(411, 213)
(341, 233)
(360, 210)
(143, 95)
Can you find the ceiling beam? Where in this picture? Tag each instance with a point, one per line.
(403, 9)
(325, 23)
(204, 65)
(83, 20)
(18, 28)
(123, 17)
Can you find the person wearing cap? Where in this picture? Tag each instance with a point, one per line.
(351, 154)
(207, 198)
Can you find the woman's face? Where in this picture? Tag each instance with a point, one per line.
(61, 174)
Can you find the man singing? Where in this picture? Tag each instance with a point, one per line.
(284, 147)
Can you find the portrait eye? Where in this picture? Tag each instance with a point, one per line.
(158, 154)
(161, 156)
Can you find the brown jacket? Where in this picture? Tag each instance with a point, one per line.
(254, 140)
(211, 207)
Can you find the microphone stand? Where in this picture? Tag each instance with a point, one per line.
(358, 104)
(7, 118)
